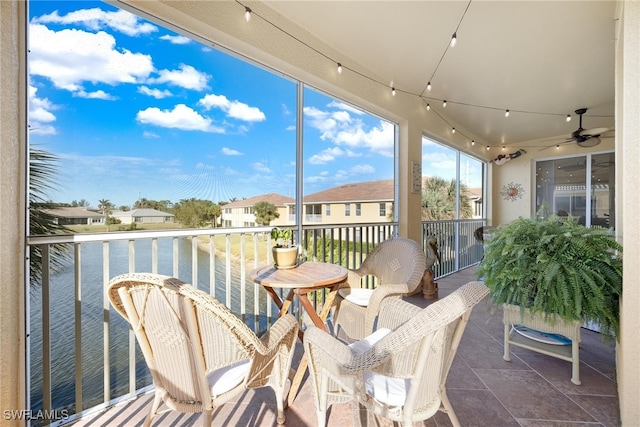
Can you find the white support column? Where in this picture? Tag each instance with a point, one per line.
(627, 184)
(12, 218)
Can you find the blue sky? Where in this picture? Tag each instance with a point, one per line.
(135, 110)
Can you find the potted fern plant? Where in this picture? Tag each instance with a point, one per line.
(557, 269)
(285, 252)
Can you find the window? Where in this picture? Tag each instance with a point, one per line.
(347, 209)
(313, 213)
(452, 183)
(247, 109)
(582, 186)
(383, 210)
(336, 133)
(358, 209)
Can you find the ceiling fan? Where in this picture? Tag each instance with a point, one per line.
(586, 137)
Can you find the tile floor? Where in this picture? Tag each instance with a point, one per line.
(485, 390)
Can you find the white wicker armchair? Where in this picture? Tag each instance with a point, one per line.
(398, 264)
(398, 372)
(199, 353)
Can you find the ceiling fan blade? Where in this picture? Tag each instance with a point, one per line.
(556, 145)
(593, 131)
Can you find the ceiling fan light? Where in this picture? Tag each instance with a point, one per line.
(589, 142)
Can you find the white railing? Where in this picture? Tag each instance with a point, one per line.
(456, 243)
(83, 358)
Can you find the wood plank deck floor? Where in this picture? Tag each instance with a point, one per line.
(485, 390)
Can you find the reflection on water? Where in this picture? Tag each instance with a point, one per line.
(62, 315)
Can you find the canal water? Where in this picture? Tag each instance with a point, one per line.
(63, 333)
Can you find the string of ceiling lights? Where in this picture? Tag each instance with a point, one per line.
(340, 67)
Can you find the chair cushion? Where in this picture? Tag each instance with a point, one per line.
(358, 296)
(369, 341)
(224, 379)
(386, 390)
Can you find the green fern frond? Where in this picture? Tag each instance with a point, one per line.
(556, 267)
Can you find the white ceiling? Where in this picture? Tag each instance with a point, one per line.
(531, 57)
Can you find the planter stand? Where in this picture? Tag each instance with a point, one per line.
(571, 330)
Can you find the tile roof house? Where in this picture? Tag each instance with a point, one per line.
(363, 201)
(370, 201)
(143, 216)
(76, 216)
(240, 212)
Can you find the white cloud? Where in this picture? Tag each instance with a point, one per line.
(361, 170)
(186, 77)
(98, 94)
(181, 117)
(235, 109)
(341, 175)
(71, 57)
(342, 106)
(147, 134)
(96, 19)
(260, 167)
(315, 179)
(326, 156)
(230, 152)
(156, 93)
(322, 121)
(378, 139)
(340, 128)
(40, 115)
(204, 166)
(437, 161)
(176, 39)
(342, 116)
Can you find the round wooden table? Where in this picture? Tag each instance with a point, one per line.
(302, 280)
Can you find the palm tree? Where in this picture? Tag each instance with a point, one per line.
(439, 199)
(215, 212)
(43, 170)
(105, 206)
(265, 212)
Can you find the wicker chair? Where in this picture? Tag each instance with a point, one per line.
(398, 265)
(199, 353)
(398, 372)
